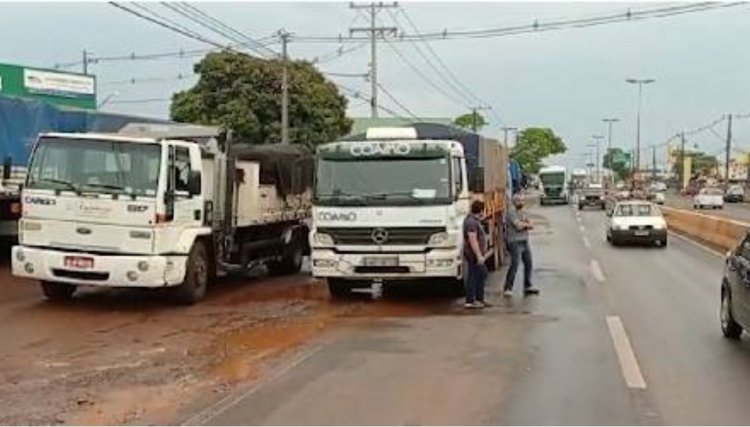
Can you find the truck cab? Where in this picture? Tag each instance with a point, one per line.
(388, 208)
(106, 210)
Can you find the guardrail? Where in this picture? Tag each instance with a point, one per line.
(721, 233)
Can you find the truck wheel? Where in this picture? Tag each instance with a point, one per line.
(729, 327)
(339, 289)
(291, 260)
(57, 291)
(193, 288)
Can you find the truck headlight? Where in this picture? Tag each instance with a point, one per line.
(32, 226)
(438, 238)
(660, 226)
(322, 239)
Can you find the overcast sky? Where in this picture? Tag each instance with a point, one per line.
(567, 80)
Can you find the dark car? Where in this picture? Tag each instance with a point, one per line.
(735, 194)
(592, 196)
(735, 291)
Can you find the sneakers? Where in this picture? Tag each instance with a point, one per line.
(472, 305)
(531, 291)
(508, 293)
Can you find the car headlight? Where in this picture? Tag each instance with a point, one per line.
(323, 239)
(660, 226)
(619, 227)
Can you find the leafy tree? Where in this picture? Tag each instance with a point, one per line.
(244, 93)
(702, 163)
(614, 160)
(534, 145)
(466, 121)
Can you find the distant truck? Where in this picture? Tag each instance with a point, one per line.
(554, 185)
(160, 206)
(11, 180)
(592, 195)
(389, 205)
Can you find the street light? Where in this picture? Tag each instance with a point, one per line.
(610, 121)
(640, 83)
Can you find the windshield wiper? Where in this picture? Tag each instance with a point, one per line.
(384, 196)
(68, 184)
(106, 186)
(339, 196)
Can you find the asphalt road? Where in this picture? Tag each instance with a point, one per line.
(618, 336)
(736, 211)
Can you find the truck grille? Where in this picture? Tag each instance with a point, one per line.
(641, 227)
(381, 236)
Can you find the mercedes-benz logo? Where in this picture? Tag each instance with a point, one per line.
(379, 236)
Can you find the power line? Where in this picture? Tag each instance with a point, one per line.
(357, 94)
(140, 101)
(422, 76)
(199, 18)
(536, 26)
(166, 25)
(396, 101)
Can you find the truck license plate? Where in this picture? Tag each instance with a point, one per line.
(79, 262)
(641, 233)
(380, 261)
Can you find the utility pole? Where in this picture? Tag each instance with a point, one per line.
(598, 138)
(729, 153)
(475, 116)
(653, 162)
(374, 32)
(284, 36)
(682, 160)
(640, 83)
(85, 62)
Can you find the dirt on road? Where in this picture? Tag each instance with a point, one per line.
(132, 357)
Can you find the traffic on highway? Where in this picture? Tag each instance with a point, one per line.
(374, 213)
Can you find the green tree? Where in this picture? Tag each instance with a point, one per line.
(466, 121)
(702, 163)
(244, 93)
(534, 145)
(615, 160)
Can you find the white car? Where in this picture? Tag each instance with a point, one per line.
(636, 221)
(709, 198)
(659, 198)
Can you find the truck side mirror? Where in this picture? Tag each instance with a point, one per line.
(194, 183)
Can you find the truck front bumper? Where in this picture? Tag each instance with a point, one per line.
(437, 263)
(138, 271)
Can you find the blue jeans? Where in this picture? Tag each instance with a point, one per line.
(476, 276)
(519, 251)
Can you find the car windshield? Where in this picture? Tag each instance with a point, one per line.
(95, 166)
(711, 192)
(637, 210)
(383, 181)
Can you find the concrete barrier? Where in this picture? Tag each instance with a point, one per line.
(721, 233)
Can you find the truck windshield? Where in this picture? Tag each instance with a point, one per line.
(552, 179)
(95, 166)
(383, 181)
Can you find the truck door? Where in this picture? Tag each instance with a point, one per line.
(187, 207)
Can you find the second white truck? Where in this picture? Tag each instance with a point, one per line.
(160, 206)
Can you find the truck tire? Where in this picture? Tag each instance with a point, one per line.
(339, 289)
(193, 288)
(729, 327)
(291, 259)
(54, 291)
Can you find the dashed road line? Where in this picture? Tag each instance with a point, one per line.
(596, 271)
(582, 228)
(586, 242)
(628, 362)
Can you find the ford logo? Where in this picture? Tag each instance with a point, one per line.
(337, 216)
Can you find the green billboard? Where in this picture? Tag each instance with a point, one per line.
(55, 87)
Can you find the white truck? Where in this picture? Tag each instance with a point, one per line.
(154, 207)
(554, 185)
(390, 206)
(11, 180)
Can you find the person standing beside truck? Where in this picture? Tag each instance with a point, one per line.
(475, 257)
(517, 235)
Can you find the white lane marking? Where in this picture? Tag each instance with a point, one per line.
(697, 244)
(596, 271)
(582, 228)
(208, 414)
(628, 363)
(586, 242)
